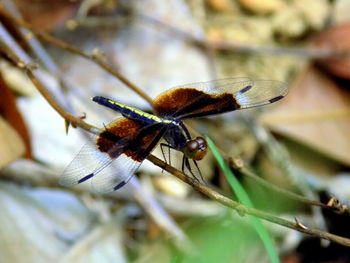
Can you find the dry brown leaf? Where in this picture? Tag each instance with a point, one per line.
(45, 15)
(338, 39)
(11, 145)
(316, 113)
(9, 111)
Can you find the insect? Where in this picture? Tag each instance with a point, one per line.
(127, 141)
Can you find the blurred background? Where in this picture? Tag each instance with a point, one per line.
(301, 143)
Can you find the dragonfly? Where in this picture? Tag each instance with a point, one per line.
(127, 141)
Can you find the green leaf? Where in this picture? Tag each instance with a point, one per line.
(245, 200)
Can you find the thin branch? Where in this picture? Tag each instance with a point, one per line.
(32, 42)
(95, 57)
(69, 118)
(334, 206)
(194, 183)
(279, 156)
(76, 121)
(156, 212)
(206, 44)
(238, 166)
(241, 209)
(309, 53)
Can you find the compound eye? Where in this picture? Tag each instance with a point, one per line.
(201, 142)
(192, 146)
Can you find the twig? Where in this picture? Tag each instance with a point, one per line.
(238, 166)
(196, 185)
(220, 45)
(310, 53)
(244, 209)
(69, 118)
(156, 212)
(244, 171)
(93, 57)
(206, 44)
(32, 41)
(76, 121)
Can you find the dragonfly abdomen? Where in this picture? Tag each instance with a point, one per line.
(130, 112)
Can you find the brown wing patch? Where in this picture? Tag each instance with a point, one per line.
(128, 137)
(189, 102)
(172, 100)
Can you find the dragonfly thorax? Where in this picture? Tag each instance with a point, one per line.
(179, 138)
(177, 135)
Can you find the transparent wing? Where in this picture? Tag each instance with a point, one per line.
(88, 162)
(261, 93)
(231, 85)
(218, 96)
(107, 174)
(123, 143)
(116, 175)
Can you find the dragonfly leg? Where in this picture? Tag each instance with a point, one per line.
(162, 145)
(188, 166)
(199, 171)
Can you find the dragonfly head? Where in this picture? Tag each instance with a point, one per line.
(196, 149)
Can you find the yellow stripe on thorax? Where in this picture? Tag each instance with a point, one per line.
(140, 112)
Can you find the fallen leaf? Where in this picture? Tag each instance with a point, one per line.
(9, 111)
(11, 145)
(45, 15)
(316, 113)
(336, 39)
